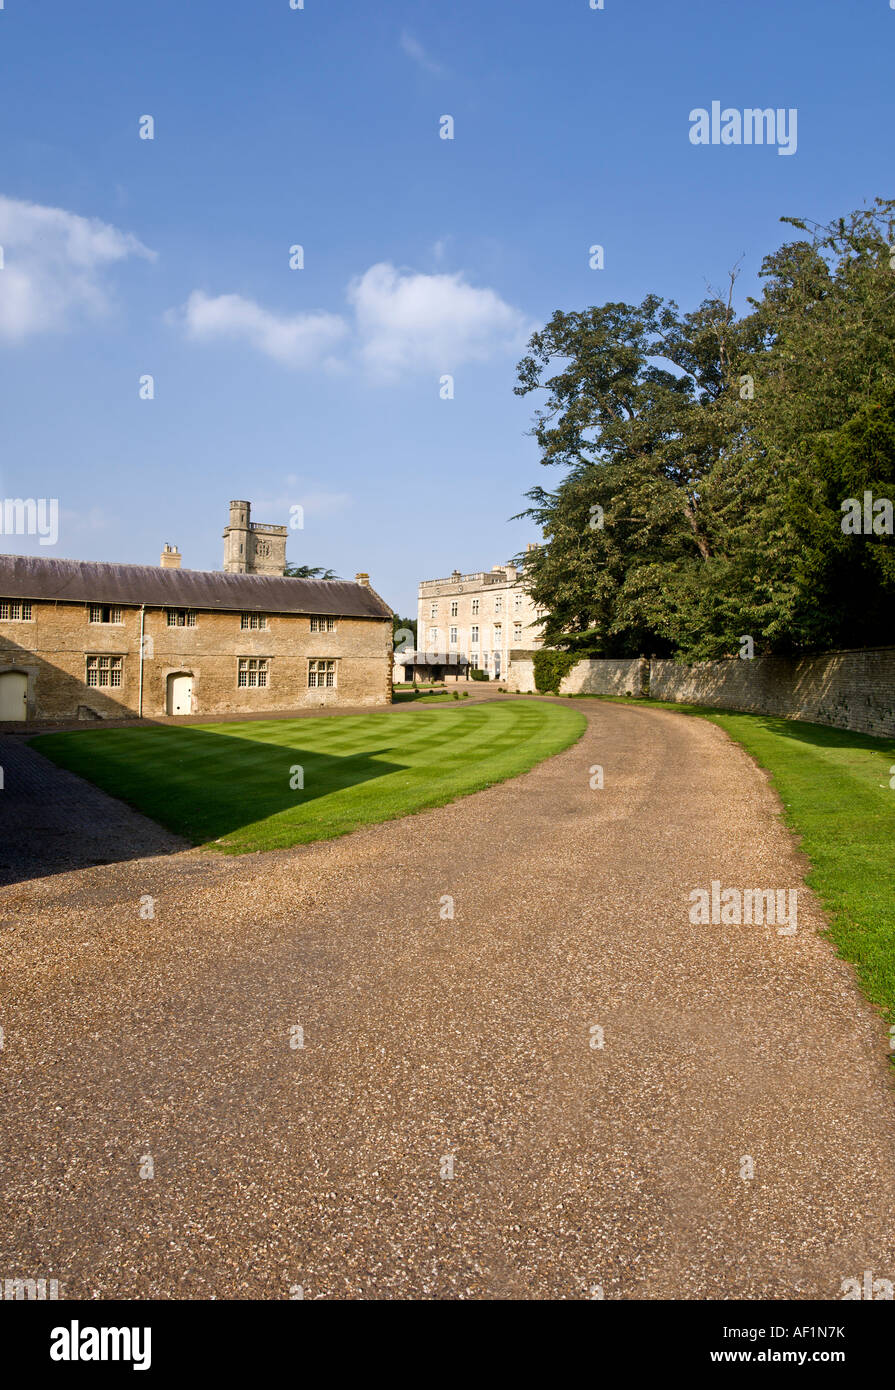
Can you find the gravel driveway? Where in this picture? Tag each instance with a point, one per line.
(452, 1126)
(52, 821)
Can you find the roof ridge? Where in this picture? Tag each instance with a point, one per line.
(110, 581)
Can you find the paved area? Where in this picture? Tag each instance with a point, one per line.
(450, 1127)
(52, 821)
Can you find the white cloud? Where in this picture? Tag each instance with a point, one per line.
(414, 49)
(406, 320)
(296, 340)
(403, 321)
(53, 266)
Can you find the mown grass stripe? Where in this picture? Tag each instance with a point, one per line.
(231, 782)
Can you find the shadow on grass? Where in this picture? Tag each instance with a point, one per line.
(206, 786)
(797, 730)
(815, 735)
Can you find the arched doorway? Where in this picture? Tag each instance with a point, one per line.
(13, 695)
(180, 693)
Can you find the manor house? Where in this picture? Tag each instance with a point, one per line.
(89, 640)
(479, 618)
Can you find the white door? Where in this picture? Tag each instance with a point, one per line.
(180, 694)
(13, 695)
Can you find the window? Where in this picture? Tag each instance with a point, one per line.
(181, 617)
(474, 635)
(433, 635)
(517, 603)
(517, 632)
(453, 637)
(498, 635)
(252, 671)
(475, 608)
(14, 610)
(104, 670)
(453, 608)
(255, 622)
(498, 603)
(321, 673)
(323, 624)
(433, 610)
(103, 613)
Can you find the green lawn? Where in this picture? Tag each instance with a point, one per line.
(835, 788)
(229, 784)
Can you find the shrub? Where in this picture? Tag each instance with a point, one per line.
(550, 667)
(478, 675)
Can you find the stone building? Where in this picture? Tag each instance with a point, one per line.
(414, 666)
(104, 641)
(252, 547)
(482, 617)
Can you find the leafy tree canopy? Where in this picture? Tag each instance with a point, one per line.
(707, 456)
(308, 572)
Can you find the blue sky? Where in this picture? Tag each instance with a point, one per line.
(422, 257)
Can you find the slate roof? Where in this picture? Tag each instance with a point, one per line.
(87, 581)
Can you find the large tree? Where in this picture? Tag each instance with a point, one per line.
(705, 457)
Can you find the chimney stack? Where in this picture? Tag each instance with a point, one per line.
(170, 558)
(362, 578)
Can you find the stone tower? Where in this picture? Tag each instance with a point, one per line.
(252, 547)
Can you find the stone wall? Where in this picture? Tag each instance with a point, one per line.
(52, 648)
(598, 677)
(607, 677)
(521, 673)
(847, 690)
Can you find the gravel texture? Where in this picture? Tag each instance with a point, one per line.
(52, 821)
(576, 1168)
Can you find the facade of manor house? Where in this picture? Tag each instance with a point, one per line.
(479, 618)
